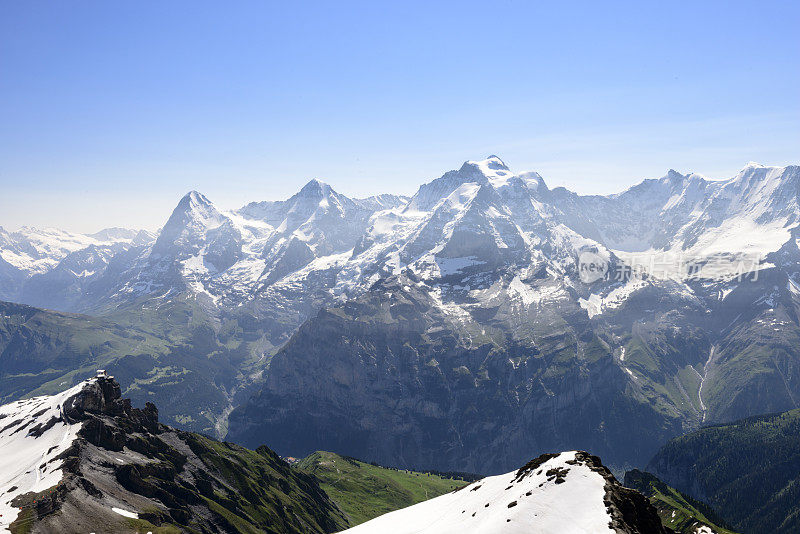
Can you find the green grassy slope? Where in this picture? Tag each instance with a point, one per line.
(677, 510)
(365, 491)
(747, 470)
(261, 490)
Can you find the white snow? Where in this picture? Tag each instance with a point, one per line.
(448, 266)
(530, 295)
(544, 507)
(28, 463)
(494, 169)
(793, 287)
(126, 513)
(596, 304)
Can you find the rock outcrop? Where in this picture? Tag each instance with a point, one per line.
(126, 472)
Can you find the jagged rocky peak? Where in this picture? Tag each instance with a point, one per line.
(566, 492)
(315, 188)
(190, 220)
(314, 198)
(317, 197)
(85, 461)
(197, 206)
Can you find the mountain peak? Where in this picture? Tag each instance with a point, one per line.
(493, 169)
(315, 187)
(192, 216)
(489, 165)
(195, 206)
(194, 198)
(192, 202)
(566, 492)
(495, 160)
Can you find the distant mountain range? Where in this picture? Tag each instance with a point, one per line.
(484, 318)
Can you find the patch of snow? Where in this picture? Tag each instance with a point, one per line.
(793, 287)
(596, 304)
(126, 513)
(448, 266)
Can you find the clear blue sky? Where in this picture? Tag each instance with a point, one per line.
(110, 111)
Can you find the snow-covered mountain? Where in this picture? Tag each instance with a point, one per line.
(458, 233)
(535, 300)
(461, 231)
(51, 267)
(555, 493)
(473, 307)
(37, 251)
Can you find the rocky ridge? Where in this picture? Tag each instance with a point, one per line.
(123, 471)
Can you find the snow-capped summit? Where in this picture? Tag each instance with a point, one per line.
(191, 218)
(315, 187)
(553, 494)
(467, 226)
(471, 172)
(494, 169)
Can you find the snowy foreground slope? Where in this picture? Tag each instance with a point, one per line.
(571, 492)
(34, 433)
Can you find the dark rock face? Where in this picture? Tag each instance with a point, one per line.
(391, 377)
(396, 381)
(124, 458)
